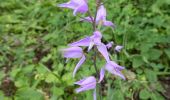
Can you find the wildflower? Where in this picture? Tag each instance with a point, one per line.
(100, 18)
(95, 39)
(87, 83)
(118, 48)
(79, 6)
(75, 52)
(114, 68)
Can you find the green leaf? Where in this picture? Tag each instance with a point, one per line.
(167, 51)
(151, 75)
(51, 78)
(137, 61)
(144, 94)
(57, 91)
(28, 94)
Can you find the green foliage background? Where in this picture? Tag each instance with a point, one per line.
(33, 31)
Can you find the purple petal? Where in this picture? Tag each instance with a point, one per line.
(80, 9)
(102, 72)
(96, 37)
(86, 87)
(87, 80)
(79, 64)
(97, 34)
(90, 46)
(101, 14)
(118, 48)
(82, 42)
(87, 19)
(109, 45)
(77, 5)
(108, 23)
(115, 69)
(72, 52)
(103, 50)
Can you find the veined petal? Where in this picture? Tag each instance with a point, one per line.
(102, 72)
(79, 64)
(103, 50)
(82, 42)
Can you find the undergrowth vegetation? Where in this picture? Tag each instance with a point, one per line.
(32, 32)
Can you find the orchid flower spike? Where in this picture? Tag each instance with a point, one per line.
(118, 48)
(100, 18)
(87, 83)
(79, 6)
(89, 42)
(75, 52)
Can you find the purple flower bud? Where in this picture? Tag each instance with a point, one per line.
(118, 48)
(79, 6)
(87, 83)
(109, 45)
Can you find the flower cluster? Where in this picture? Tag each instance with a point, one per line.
(94, 41)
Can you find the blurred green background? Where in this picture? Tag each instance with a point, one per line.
(33, 31)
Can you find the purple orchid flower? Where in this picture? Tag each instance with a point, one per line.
(118, 48)
(75, 52)
(113, 68)
(87, 83)
(95, 39)
(100, 18)
(79, 6)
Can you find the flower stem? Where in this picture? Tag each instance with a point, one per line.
(97, 73)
